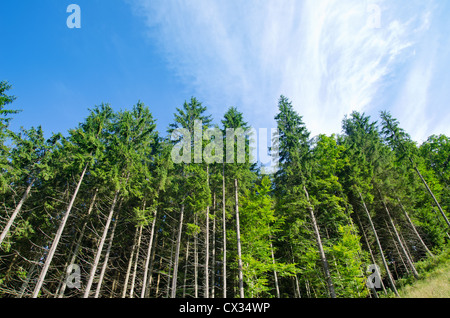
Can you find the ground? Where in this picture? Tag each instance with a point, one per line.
(434, 279)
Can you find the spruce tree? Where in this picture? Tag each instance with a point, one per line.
(402, 144)
(292, 181)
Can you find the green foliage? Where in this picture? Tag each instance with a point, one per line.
(320, 178)
(259, 226)
(5, 132)
(350, 278)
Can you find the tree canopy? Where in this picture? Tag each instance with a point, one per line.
(107, 202)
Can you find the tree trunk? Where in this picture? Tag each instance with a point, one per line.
(16, 212)
(195, 260)
(297, 284)
(177, 255)
(224, 225)
(406, 246)
(130, 264)
(152, 261)
(297, 287)
(186, 269)
(391, 221)
(57, 238)
(431, 193)
(275, 272)
(238, 236)
(171, 262)
(321, 250)
(105, 263)
(213, 265)
(149, 253)
(308, 290)
(391, 280)
(78, 243)
(396, 247)
(138, 246)
(114, 284)
(371, 254)
(206, 293)
(158, 280)
(414, 229)
(100, 248)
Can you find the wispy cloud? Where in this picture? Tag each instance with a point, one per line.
(326, 55)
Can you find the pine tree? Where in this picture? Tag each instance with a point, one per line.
(131, 141)
(334, 215)
(239, 171)
(30, 156)
(86, 137)
(366, 153)
(401, 143)
(293, 178)
(191, 122)
(132, 208)
(4, 131)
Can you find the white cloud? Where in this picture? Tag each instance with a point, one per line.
(323, 55)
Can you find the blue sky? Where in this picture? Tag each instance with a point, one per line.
(327, 56)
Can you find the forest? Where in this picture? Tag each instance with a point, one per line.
(103, 211)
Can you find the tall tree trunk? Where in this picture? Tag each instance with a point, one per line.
(224, 226)
(406, 247)
(63, 278)
(114, 284)
(152, 262)
(297, 287)
(78, 242)
(213, 265)
(130, 264)
(158, 280)
(133, 278)
(149, 253)
(396, 247)
(308, 290)
(371, 253)
(277, 288)
(186, 269)
(391, 280)
(297, 284)
(105, 263)
(323, 258)
(57, 238)
(206, 292)
(177, 255)
(16, 212)
(100, 248)
(391, 221)
(195, 260)
(238, 236)
(414, 229)
(171, 262)
(431, 193)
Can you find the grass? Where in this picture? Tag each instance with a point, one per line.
(434, 279)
